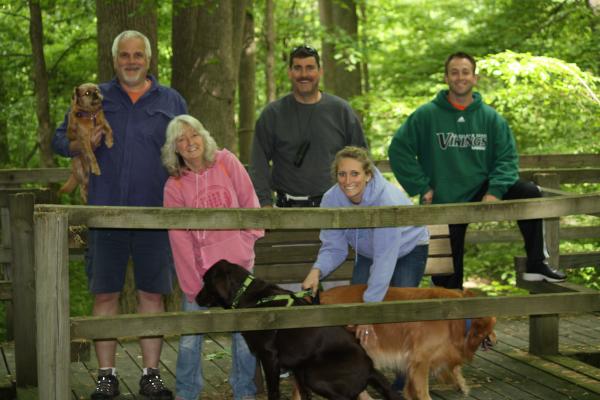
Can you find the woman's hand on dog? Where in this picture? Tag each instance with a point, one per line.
(312, 281)
(366, 335)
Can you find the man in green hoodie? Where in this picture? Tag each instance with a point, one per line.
(458, 149)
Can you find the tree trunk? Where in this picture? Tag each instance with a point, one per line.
(4, 154)
(340, 77)
(113, 18)
(246, 86)
(366, 82)
(270, 50)
(118, 15)
(327, 48)
(40, 79)
(207, 42)
(366, 88)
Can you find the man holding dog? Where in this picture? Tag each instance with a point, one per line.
(458, 149)
(297, 137)
(138, 109)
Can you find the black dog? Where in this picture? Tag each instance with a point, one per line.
(328, 361)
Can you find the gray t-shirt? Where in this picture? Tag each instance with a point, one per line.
(282, 128)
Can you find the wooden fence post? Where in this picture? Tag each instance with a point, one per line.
(52, 299)
(543, 329)
(23, 287)
(6, 268)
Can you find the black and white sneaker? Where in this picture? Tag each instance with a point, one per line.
(153, 387)
(543, 272)
(107, 386)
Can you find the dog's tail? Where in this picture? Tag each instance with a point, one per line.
(379, 382)
(69, 185)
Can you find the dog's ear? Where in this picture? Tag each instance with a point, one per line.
(75, 94)
(480, 329)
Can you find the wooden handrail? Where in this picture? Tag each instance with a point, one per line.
(317, 218)
(218, 320)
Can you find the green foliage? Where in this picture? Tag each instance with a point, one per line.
(80, 298)
(551, 105)
(70, 54)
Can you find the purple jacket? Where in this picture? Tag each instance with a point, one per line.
(132, 171)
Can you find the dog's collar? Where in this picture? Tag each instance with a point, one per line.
(85, 114)
(467, 326)
(287, 297)
(241, 290)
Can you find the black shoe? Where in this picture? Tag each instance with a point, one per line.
(153, 387)
(107, 386)
(543, 272)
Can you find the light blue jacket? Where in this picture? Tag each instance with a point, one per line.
(383, 245)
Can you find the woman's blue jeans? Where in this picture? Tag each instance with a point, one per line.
(189, 380)
(408, 273)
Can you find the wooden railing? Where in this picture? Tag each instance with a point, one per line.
(52, 290)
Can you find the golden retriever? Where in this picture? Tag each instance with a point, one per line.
(418, 349)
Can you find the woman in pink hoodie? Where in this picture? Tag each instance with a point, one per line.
(204, 177)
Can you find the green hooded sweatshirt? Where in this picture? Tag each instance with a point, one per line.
(454, 152)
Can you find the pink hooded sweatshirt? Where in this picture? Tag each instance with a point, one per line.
(225, 184)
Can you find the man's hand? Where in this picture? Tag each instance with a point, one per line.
(312, 281)
(427, 197)
(489, 197)
(97, 137)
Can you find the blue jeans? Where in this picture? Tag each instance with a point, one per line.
(189, 380)
(408, 273)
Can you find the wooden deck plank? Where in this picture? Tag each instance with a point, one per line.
(548, 373)
(502, 368)
(129, 370)
(581, 385)
(82, 381)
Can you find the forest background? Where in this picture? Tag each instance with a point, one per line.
(538, 62)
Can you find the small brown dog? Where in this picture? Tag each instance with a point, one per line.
(85, 116)
(418, 349)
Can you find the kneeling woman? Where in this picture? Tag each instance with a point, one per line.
(385, 257)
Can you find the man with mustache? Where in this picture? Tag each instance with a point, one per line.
(458, 149)
(297, 137)
(138, 110)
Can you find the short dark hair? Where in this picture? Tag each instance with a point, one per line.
(459, 54)
(304, 51)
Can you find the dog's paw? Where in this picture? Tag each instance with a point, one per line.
(108, 141)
